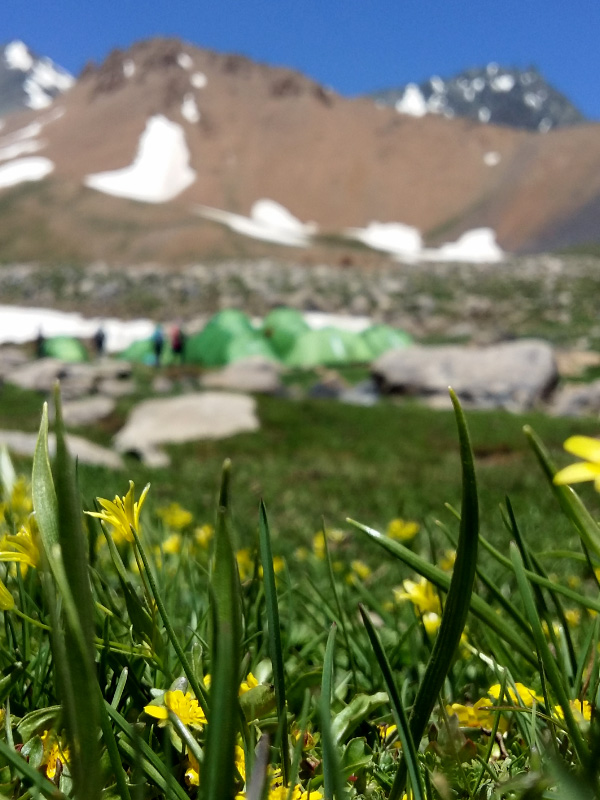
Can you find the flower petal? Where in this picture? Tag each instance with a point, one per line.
(585, 447)
(576, 473)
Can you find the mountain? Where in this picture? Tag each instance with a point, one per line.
(27, 81)
(169, 153)
(494, 94)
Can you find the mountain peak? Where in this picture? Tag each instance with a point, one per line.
(518, 98)
(28, 81)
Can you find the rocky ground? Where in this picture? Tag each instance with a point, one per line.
(554, 297)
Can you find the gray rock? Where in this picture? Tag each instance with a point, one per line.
(188, 417)
(512, 375)
(116, 387)
(11, 357)
(87, 409)
(39, 375)
(85, 451)
(255, 374)
(363, 394)
(576, 400)
(162, 385)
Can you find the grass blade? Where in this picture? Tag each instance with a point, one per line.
(217, 773)
(332, 775)
(408, 744)
(547, 659)
(569, 500)
(275, 652)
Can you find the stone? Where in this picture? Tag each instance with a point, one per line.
(86, 410)
(116, 387)
(363, 394)
(85, 451)
(255, 375)
(39, 375)
(10, 358)
(511, 375)
(188, 417)
(576, 400)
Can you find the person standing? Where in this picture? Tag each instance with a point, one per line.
(158, 343)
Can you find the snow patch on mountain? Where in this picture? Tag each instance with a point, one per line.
(395, 238)
(405, 243)
(189, 109)
(20, 148)
(198, 80)
(185, 61)
(42, 81)
(268, 221)
(412, 102)
(492, 158)
(17, 56)
(129, 68)
(160, 170)
(24, 169)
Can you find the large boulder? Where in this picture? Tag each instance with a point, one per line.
(76, 380)
(512, 375)
(188, 417)
(254, 374)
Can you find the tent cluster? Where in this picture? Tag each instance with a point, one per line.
(284, 336)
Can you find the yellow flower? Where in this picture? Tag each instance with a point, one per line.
(245, 563)
(278, 565)
(431, 622)
(301, 553)
(588, 449)
(22, 547)
(19, 505)
(333, 535)
(573, 616)
(55, 754)
(448, 560)
(582, 710)
(204, 534)
(523, 695)
(360, 569)
(240, 761)
(185, 706)
(172, 544)
(248, 684)
(192, 773)
(422, 595)
(174, 516)
(479, 715)
(402, 530)
(122, 513)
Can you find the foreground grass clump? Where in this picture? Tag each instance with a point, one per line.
(151, 657)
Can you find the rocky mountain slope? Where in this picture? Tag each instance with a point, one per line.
(169, 153)
(492, 94)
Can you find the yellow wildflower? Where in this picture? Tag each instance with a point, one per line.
(422, 595)
(248, 684)
(245, 563)
(588, 449)
(22, 547)
(360, 569)
(172, 544)
(447, 561)
(204, 534)
(55, 754)
(523, 695)
(174, 516)
(185, 706)
(573, 616)
(402, 530)
(333, 535)
(278, 565)
(582, 710)
(122, 513)
(431, 622)
(479, 715)
(240, 761)
(301, 553)
(192, 773)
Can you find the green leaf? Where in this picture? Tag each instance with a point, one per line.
(217, 781)
(332, 774)
(553, 674)
(274, 633)
(36, 721)
(359, 708)
(257, 702)
(569, 500)
(410, 762)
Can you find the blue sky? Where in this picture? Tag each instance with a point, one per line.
(354, 46)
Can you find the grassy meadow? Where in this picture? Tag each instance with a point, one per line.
(188, 640)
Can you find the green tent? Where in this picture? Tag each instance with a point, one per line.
(328, 347)
(209, 347)
(381, 338)
(67, 348)
(142, 352)
(282, 326)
